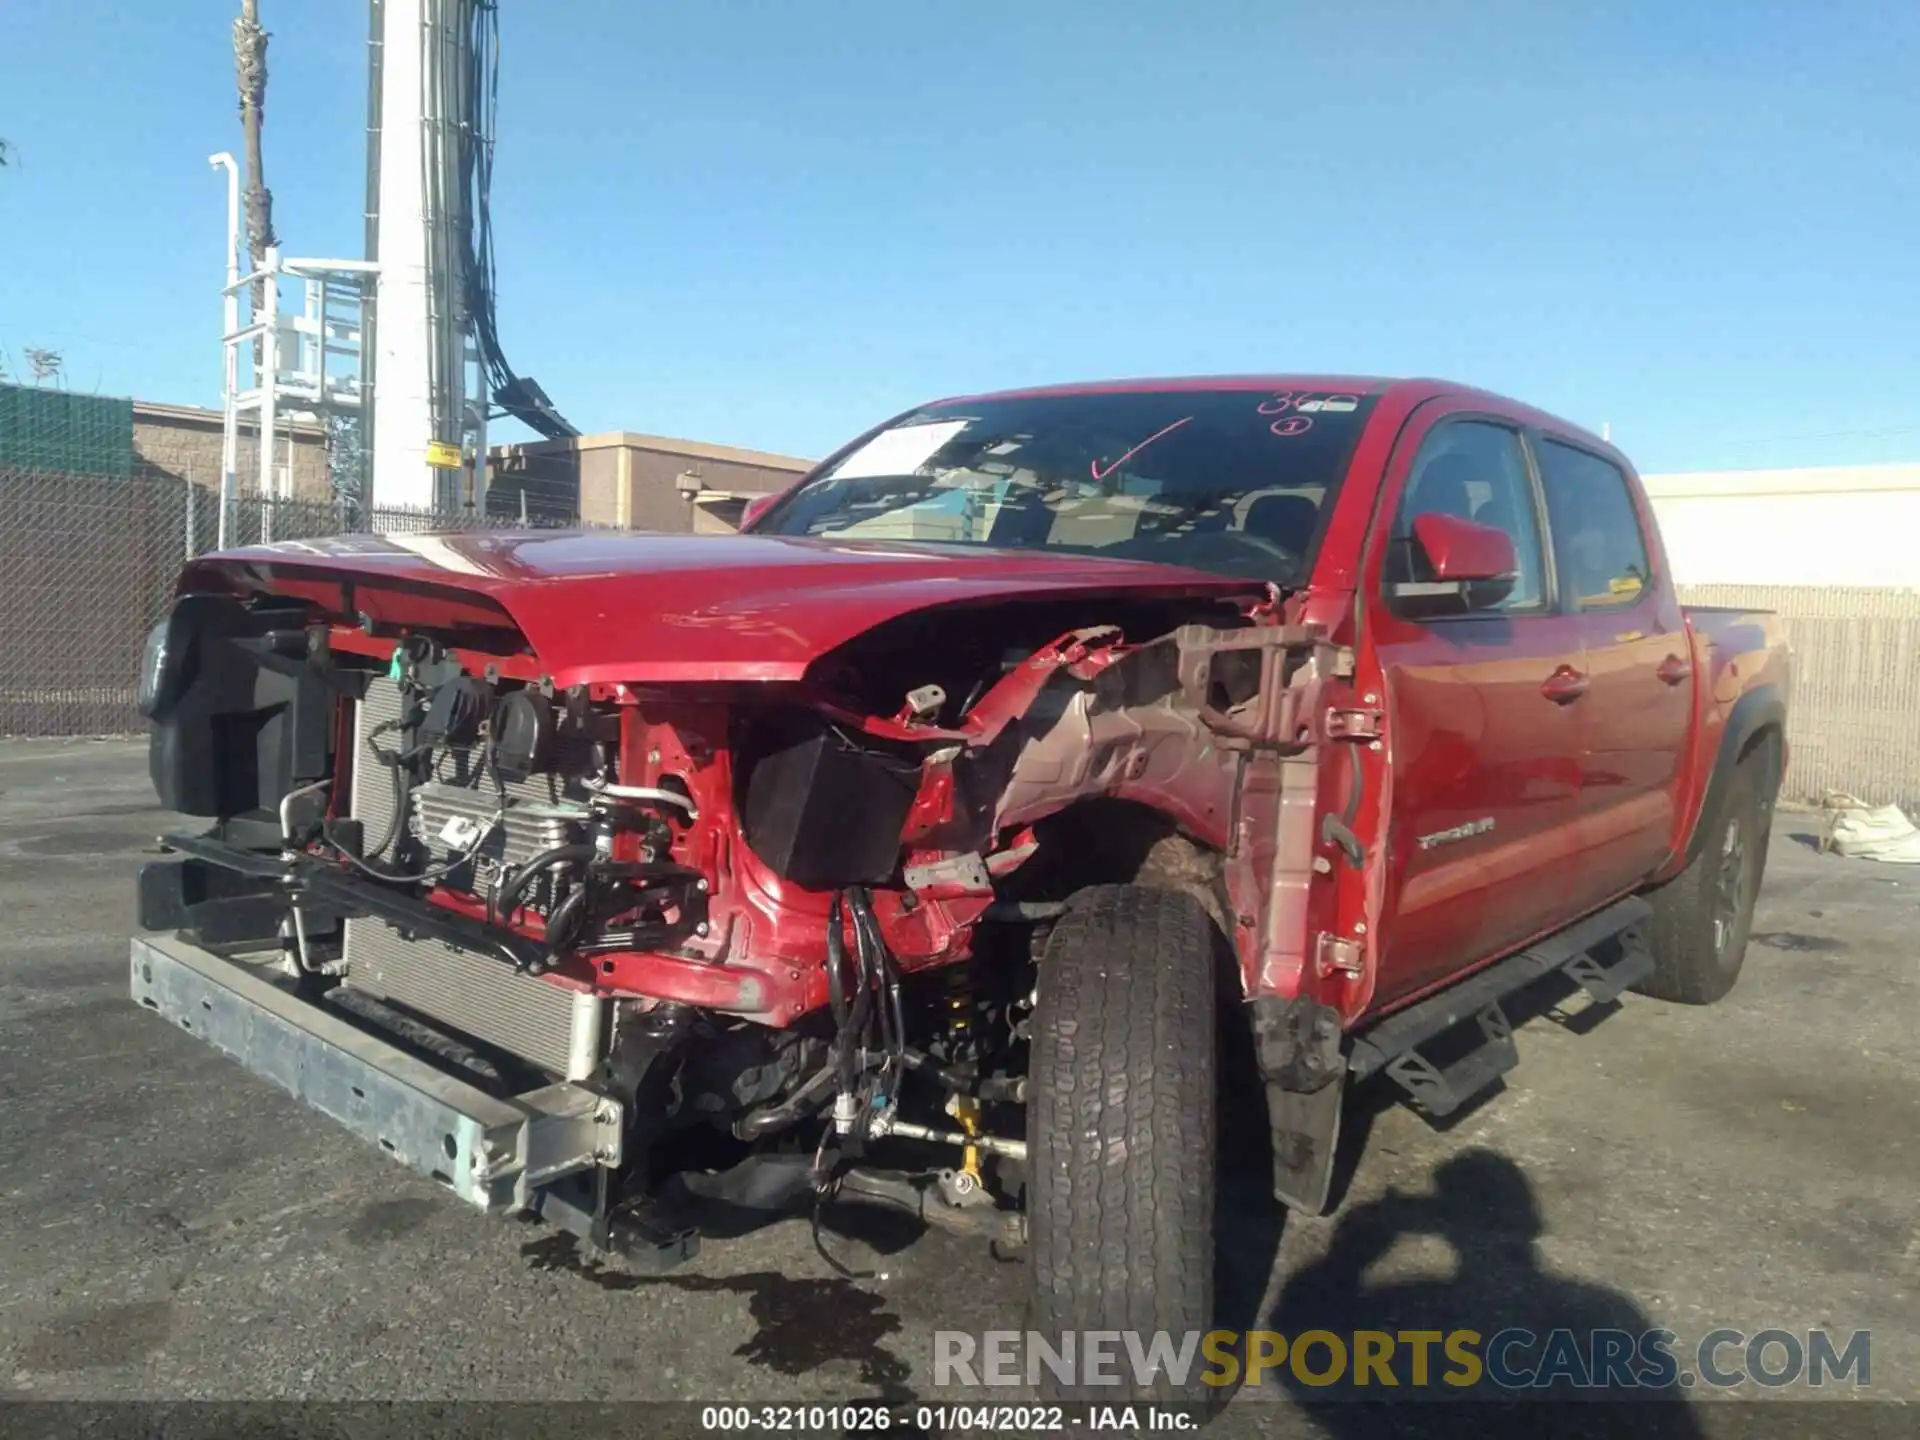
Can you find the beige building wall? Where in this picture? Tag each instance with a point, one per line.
(1832, 525)
(636, 482)
(184, 441)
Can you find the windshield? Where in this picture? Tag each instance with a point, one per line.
(1232, 481)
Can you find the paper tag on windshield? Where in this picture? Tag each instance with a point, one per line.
(900, 451)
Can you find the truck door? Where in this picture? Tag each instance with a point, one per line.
(1484, 747)
(1637, 668)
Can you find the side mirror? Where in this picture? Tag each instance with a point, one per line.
(757, 507)
(1466, 565)
(1464, 550)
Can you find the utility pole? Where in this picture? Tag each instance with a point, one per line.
(436, 358)
(430, 391)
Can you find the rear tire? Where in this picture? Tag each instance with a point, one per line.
(1701, 918)
(1121, 1126)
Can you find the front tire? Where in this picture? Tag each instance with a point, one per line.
(1702, 917)
(1121, 1128)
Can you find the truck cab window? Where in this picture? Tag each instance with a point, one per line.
(1597, 543)
(1474, 471)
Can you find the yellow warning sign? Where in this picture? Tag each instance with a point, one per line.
(443, 456)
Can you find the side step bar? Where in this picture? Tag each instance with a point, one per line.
(496, 1154)
(1441, 1092)
(1392, 1045)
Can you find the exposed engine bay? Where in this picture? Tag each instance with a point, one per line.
(778, 926)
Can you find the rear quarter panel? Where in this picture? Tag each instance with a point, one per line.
(1743, 684)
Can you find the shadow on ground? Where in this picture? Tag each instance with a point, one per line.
(1573, 1339)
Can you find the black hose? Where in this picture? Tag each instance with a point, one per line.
(843, 1036)
(886, 978)
(873, 967)
(888, 974)
(395, 819)
(563, 925)
(507, 897)
(885, 993)
(862, 1007)
(1338, 829)
(859, 1019)
(836, 963)
(839, 1267)
(372, 860)
(790, 1111)
(899, 1013)
(376, 853)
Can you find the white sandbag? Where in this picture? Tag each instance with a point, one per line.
(1871, 832)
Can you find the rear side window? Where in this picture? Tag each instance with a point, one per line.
(1473, 471)
(1598, 547)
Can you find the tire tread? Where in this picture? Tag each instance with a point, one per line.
(1123, 1116)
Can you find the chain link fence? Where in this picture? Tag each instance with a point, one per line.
(88, 563)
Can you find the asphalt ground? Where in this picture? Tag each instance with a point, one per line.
(171, 1227)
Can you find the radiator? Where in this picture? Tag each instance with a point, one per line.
(556, 1029)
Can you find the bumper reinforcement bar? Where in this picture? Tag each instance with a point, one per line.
(495, 1153)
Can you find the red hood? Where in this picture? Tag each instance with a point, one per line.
(604, 607)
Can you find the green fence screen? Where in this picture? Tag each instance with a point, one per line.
(53, 430)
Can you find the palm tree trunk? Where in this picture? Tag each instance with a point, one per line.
(250, 71)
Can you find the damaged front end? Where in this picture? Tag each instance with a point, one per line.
(624, 947)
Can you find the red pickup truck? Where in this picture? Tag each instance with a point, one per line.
(919, 844)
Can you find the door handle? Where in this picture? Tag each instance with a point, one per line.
(1564, 684)
(1673, 670)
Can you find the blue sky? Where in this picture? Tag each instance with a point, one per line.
(769, 224)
